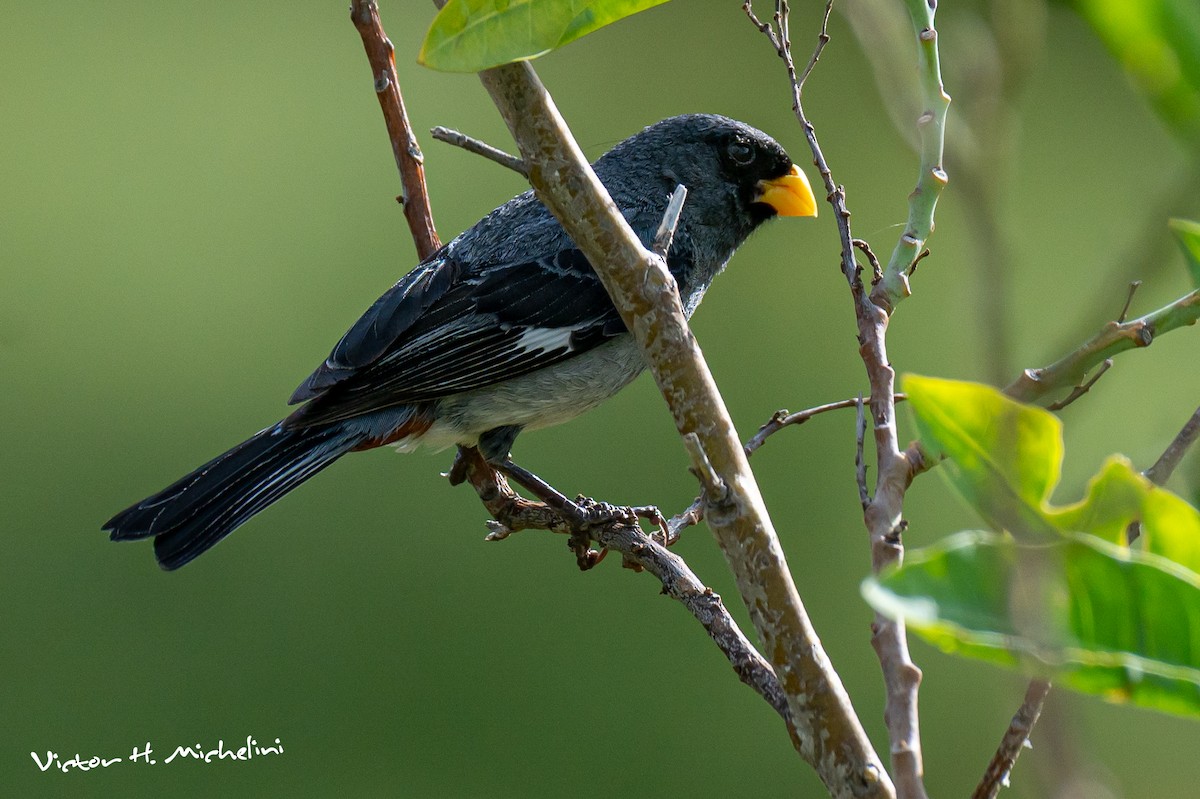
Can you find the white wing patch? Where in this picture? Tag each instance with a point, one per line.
(545, 339)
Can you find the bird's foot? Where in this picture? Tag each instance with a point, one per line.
(585, 513)
(593, 512)
(577, 518)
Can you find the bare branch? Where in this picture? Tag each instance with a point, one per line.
(822, 40)
(829, 735)
(472, 145)
(912, 270)
(712, 484)
(1082, 388)
(782, 419)
(860, 462)
(410, 162)
(666, 229)
(1133, 287)
(1114, 337)
(1015, 739)
(694, 513)
(876, 269)
(1162, 469)
(513, 512)
(872, 310)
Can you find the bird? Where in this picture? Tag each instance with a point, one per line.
(505, 328)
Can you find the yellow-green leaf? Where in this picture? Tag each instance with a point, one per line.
(472, 35)
(1004, 457)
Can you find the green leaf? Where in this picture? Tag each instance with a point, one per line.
(472, 35)
(1114, 498)
(1188, 234)
(1158, 44)
(1005, 458)
(1098, 618)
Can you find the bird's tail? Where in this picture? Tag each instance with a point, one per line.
(195, 512)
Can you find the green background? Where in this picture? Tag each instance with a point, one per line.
(196, 201)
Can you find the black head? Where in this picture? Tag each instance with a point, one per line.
(737, 176)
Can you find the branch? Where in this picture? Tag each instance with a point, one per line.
(1114, 337)
(694, 513)
(896, 468)
(1161, 471)
(1082, 388)
(783, 419)
(1016, 738)
(513, 512)
(410, 162)
(932, 176)
(478, 147)
(829, 735)
(665, 234)
(860, 462)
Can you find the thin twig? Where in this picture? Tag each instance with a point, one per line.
(876, 269)
(822, 40)
(694, 513)
(782, 419)
(410, 162)
(473, 145)
(1162, 469)
(872, 309)
(1133, 287)
(860, 462)
(912, 270)
(712, 484)
(666, 229)
(1016, 738)
(1082, 388)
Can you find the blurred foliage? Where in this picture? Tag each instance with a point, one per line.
(1187, 233)
(473, 35)
(1066, 589)
(198, 199)
(1158, 44)
(1005, 458)
(1097, 618)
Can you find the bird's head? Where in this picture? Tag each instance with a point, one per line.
(737, 176)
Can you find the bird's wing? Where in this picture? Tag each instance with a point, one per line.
(436, 334)
(382, 325)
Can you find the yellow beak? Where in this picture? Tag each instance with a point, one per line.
(789, 195)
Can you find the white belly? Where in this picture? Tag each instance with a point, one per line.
(539, 399)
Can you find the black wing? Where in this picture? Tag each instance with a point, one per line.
(438, 332)
(382, 324)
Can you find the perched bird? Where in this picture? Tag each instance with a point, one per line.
(505, 328)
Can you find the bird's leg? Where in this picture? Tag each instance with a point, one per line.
(579, 515)
(489, 477)
(582, 512)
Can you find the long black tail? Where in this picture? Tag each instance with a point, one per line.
(195, 512)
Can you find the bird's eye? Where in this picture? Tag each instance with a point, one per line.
(740, 152)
